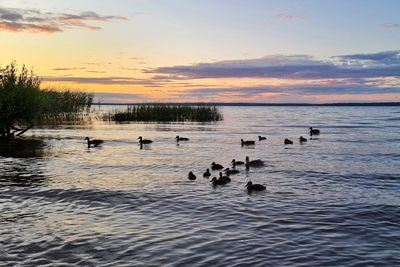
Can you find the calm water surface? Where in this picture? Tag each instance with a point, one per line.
(333, 201)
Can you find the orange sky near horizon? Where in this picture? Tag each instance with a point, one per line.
(169, 50)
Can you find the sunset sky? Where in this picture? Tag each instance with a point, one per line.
(209, 50)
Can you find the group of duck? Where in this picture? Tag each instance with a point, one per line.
(225, 179)
(222, 179)
(98, 142)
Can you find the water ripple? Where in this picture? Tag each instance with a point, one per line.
(330, 202)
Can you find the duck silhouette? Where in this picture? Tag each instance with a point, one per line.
(224, 178)
(207, 173)
(302, 139)
(191, 176)
(288, 142)
(215, 166)
(216, 181)
(314, 131)
(94, 142)
(247, 143)
(254, 187)
(254, 163)
(260, 138)
(181, 138)
(144, 141)
(237, 162)
(230, 172)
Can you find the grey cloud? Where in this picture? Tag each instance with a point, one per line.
(248, 92)
(9, 15)
(389, 25)
(292, 67)
(385, 57)
(35, 21)
(117, 95)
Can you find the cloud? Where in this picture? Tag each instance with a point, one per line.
(389, 25)
(296, 78)
(116, 97)
(99, 80)
(385, 57)
(68, 69)
(36, 21)
(384, 64)
(111, 80)
(260, 91)
(27, 27)
(287, 16)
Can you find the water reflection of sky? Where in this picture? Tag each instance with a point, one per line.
(84, 203)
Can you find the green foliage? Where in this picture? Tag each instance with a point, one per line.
(166, 113)
(23, 102)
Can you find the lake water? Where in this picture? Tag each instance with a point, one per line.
(333, 201)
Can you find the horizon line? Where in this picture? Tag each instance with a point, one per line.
(255, 104)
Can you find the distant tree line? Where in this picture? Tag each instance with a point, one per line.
(23, 103)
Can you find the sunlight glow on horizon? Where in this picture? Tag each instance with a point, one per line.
(169, 50)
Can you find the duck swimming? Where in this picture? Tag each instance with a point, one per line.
(191, 176)
(254, 163)
(288, 142)
(234, 162)
(224, 178)
(302, 139)
(247, 143)
(95, 142)
(260, 138)
(314, 131)
(215, 166)
(216, 181)
(144, 141)
(230, 172)
(207, 173)
(254, 187)
(181, 138)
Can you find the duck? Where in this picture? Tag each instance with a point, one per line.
(225, 178)
(216, 181)
(215, 166)
(254, 187)
(260, 138)
(95, 142)
(144, 141)
(229, 171)
(191, 176)
(247, 143)
(254, 163)
(181, 138)
(302, 139)
(288, 142)
(207, 173)
(314, 131)
(237, 162)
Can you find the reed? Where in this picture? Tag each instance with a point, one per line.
(165, 113)
(23, 103)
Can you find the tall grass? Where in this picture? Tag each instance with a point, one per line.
(64, 106)
(165, 113)
(23, 103)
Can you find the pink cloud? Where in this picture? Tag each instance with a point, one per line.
(288, 16)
